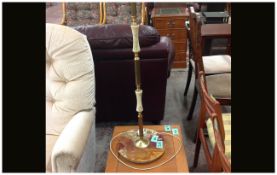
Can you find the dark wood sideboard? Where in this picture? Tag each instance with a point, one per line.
(170, 20)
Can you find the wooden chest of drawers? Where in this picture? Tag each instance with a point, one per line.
(170, 21)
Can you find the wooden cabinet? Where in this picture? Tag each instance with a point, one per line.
(170, 21)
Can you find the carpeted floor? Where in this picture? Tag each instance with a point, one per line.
(176, 109)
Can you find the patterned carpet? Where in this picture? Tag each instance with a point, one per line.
(176, 109)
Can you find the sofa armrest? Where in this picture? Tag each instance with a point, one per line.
(70, 145)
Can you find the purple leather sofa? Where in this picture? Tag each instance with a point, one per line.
(111, 47)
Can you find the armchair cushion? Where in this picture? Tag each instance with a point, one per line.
(70, 99)
(227, 129)
(118, 36)
(69, 76)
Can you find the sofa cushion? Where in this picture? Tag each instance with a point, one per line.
(118, 36)
(158, 50)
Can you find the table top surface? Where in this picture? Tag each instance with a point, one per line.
(169, 11)
(177, 164)
(216, 30)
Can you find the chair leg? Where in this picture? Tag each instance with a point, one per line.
(194, 98)
(195, 136)
(196, 154)
(188, 79)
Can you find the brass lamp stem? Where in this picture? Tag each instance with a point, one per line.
(137, 72)
(142, 142)
(140, 122)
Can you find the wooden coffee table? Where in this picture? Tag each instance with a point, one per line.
(177, 164)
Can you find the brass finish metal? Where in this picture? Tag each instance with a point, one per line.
(140, 122)
(133, 19)
(137, 73)
(142, 142)
(135, 145)
(133, 9)
(104, 13)
(142, 150)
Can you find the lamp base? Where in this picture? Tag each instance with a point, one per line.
(134, 149)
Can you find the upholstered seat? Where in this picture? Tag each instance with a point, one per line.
(76, 14)
(215, 64)
(219, 85)
(227, 129)
(120, 13)
(70, 100)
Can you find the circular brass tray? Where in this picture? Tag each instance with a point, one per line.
(126, 146)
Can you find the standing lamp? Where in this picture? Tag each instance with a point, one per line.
(135, 145)
(139, 148)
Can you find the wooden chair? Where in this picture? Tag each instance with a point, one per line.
(218, 67)
(120, 13)
(92, 13)
(84, 13)
(217, 147)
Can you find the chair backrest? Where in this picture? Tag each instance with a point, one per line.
(219, 149)
(120, 13)
(82, 13)
(198, 41)
(195, 36)
(76, 14)
(192, 26)
(193, 18)
(210, 109)
(70, 86)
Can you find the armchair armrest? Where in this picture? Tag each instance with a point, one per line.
(70, 145)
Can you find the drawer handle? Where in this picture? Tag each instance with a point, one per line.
(172, 36)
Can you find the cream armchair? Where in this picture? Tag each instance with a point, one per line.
(70, 100)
